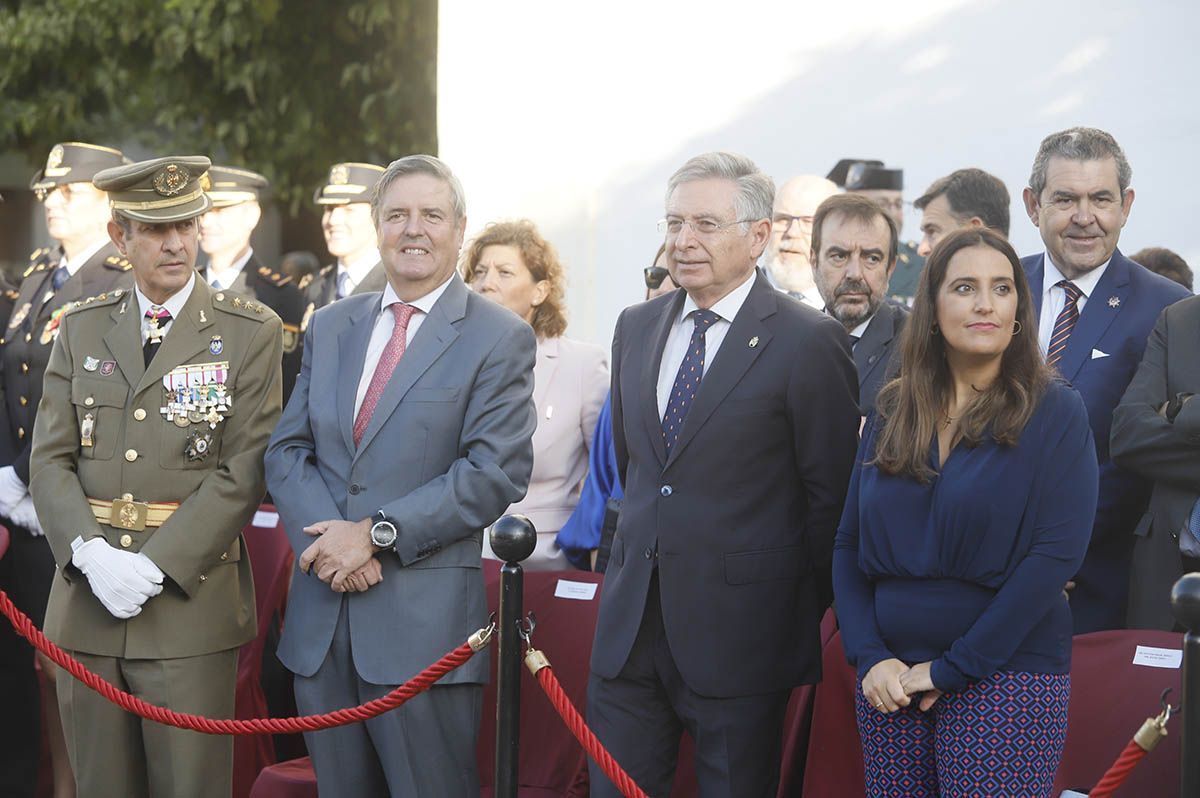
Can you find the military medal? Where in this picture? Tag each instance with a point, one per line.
(195, 393)
(90, 363)
(86, 430)
(215, 346)
(50, 332)
(20, 315)
(199, 444)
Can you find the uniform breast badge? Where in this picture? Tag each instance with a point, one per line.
(90, 363)
(87, 431)
(196, 393)
(199, 444)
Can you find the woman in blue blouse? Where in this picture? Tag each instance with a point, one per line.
(969, 509)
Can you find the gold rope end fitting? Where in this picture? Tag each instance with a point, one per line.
(535, 661)
(1152, 731)
(480, 639)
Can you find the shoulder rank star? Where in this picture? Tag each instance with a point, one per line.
(1114, 301)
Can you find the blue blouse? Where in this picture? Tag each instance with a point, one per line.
(967, 572)
(581, 533)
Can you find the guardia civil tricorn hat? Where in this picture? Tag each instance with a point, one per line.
(74, 162)
(160, 190)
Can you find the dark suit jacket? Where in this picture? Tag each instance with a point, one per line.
(743, 513)
(876, 355)
(322, 288)
(1116, 321)
(1166, 453)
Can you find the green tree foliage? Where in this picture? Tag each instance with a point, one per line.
(285, 87)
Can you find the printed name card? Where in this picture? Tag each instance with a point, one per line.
(580, 591)
(266, 520)
(1153, 657)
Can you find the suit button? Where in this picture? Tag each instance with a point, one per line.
(20, 432)
(24, 401)
(139, 414)
(355, 489)
(649, 552)
(24, 368)
(203, 577)
(126, 541)
(131, 455)
(89, 401)
(666, 490)
(28, 337)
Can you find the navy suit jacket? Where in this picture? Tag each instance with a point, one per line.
(740, 517)
(877, 355)
(1116, 321)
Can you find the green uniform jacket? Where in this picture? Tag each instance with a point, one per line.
(96, 369)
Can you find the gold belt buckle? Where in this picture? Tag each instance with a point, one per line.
(128, 514)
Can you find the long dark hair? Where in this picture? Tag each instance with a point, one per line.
(911, 406)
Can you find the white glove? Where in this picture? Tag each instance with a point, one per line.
(12, 490)
(121, 580)
(25, 515)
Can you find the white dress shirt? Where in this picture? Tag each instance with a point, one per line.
(357, 271)
(861, 330)
(76, 263)
(1054, 297)
(174, 306)
(681, 334)
(382, 332)
(227, 277)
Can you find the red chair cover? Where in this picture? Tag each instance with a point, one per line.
(3, 541)
(270, 563)
(292, 779)
(835, 766)
(1110, 699)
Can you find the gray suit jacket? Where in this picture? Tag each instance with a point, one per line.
(1167, 453)
(447, 450)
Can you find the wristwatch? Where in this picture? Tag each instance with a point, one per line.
(383, 532)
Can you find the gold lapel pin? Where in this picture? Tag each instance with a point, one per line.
(754, 342)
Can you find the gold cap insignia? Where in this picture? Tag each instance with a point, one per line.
(205, 182)
(55, 159)
(171, 179)
(339, 175)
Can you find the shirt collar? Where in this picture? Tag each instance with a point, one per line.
(1085, 283)
(174, 303)
(423, 304)
(76, 263)
(861, 329)
(229, 275)
(358, 269)
(726, 307)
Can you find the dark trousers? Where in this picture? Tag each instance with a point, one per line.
(640, 715)
(25, 574)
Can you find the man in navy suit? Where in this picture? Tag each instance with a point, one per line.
(734, 417)
(1097, 309)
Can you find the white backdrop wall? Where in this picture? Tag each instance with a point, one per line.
(574, 114)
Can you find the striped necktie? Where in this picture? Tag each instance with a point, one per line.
(1067, 317)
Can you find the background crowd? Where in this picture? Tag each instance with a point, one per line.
(971, 454)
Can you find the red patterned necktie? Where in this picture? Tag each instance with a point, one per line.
(1065, 323)
(387, 364)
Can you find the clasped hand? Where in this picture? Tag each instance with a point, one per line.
(122, 580)
(342, 555)
(891, 684)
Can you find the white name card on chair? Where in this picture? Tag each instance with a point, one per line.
(580, 591)
(265, 519)
(1153, 657)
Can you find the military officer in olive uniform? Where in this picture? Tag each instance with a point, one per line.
(83, 263)
(229, 262)
(349, 237)
(885, 188)
(147, 463)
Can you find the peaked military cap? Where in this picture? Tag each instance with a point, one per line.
(348, 182)
(159, 190)
(229, 185)
(75, 162)
(838, 173)
(864, 176)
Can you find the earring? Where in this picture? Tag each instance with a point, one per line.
(934, 330)
(1017, 324)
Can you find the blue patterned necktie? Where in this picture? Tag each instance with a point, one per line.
(1193, 525)
(687, 379)
(1065, 322)
(59, 277)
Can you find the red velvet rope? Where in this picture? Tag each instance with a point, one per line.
(341, 717)
(1119, 771)
(566, 710)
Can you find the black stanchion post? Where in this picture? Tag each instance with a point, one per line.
(513, 539)
(1185, 603)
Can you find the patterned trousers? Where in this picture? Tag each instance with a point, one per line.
(1001, 738)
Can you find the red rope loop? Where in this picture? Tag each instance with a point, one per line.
(131, 703)
(566, 710)
(1119, 771)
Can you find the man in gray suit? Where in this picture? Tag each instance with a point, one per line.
(408, 432)
(1155, 434)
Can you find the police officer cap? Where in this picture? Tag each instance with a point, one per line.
(348, 182)
(160, 190)
(229, 185)
(838, 173)
(74, 162)
(862, 176)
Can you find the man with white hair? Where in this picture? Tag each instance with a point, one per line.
(787, 258)
(735, 424)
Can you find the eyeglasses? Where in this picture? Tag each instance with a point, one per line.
(701, 227)
(654, 276)
(783, 221)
